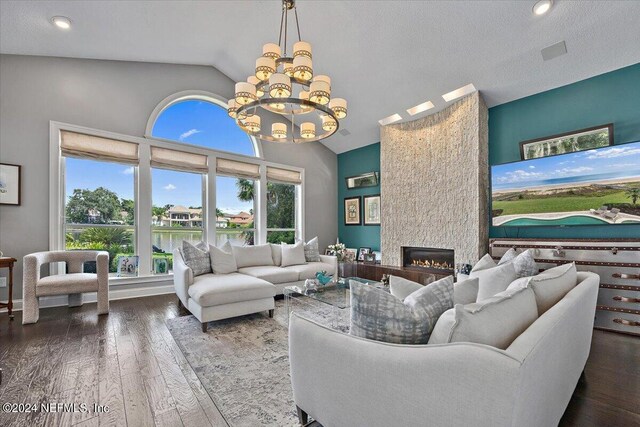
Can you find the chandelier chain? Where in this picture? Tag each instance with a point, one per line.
(284, 10)
(295, 9)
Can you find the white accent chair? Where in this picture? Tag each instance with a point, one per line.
(74, 283)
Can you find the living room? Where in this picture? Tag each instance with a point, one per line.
(408, 213)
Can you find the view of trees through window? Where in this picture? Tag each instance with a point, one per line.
(281, 213)
(235, 210)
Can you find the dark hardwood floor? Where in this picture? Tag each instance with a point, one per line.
(129, 362)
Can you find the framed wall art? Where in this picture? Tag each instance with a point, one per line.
(10, 184)
(568, 142)
(371, 212)
(352, 211)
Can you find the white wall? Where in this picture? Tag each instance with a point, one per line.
(117, 96)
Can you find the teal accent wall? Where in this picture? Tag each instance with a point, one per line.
(613, 97)
(356, 162)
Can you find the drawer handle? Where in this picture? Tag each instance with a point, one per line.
(627, 322)
(626, 299)
(626, 276)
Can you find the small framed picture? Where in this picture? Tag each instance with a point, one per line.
(352, 253)
(371, 206)
(10, 188)
(370, 258)
(160, 266)
(352, 211)
(128, 266)
(328, 251)
(362, 252)
(378, 256)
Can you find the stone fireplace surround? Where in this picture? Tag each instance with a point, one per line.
(435, 184)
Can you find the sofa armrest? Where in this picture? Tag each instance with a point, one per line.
(330, 259)
(182, 277)
(339, 379)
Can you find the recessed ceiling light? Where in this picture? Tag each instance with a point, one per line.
(542, 7)
(61, 22)
(460, 92)
(391, 119)
(420, 108)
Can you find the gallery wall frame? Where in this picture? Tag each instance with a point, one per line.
(533, 148)
(352, 210)
(10, 184)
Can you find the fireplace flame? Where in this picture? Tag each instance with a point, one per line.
(431, 264)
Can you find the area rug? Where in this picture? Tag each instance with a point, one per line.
(243, 362)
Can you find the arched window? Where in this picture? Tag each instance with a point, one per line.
(197, 119)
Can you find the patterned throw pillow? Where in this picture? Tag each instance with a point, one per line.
(197, 257)
(380, 316)
(312, 250)
(524, 263)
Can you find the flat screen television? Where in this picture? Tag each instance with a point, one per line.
(593, 187)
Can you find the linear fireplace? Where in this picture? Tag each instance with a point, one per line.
(429, 259)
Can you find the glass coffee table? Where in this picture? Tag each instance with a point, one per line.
(329, 304)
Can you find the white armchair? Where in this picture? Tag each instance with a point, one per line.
(74, 283)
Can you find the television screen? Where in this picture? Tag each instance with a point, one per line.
(594, 187)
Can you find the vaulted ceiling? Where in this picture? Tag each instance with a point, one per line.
(383, 56)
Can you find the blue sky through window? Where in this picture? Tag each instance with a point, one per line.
(194, 122)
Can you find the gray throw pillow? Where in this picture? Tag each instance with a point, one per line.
(312, 250)
(524, 263)
(380, 316)
(196, 257)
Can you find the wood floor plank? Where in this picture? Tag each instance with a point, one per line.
(110, 392)
(159, 396)
(169, 419)
(136, 403)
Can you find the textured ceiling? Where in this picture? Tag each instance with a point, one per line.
(383, 56)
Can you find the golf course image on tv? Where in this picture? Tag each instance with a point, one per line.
(594, 187)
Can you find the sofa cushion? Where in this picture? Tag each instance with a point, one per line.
(466, 291)
(271, 274)
(309, 270)
(276, 254)
(218, 289)
(222, 259)
(67, 283)
(552, 285)
(312, 250)
(249, 256)
(196, 257)
(494, 280)
(401, 288)
(496, 321)
(380, 316)
(484, 263)
(293, 254)
(524, 263)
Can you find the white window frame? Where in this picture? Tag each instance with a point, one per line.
(142, 191)
(297, 218)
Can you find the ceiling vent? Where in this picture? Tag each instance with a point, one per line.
(553, 51)
(344, 132)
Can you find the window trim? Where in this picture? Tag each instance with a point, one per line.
(142, 193)
(201, 95)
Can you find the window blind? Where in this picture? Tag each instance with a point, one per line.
(283, 175)
(178, 160)
(236, 168)
(73, 144)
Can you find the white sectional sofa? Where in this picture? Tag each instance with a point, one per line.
(251, 289)
(342, 380)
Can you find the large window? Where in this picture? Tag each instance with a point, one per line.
(176, 214)
(281, 212)
(100, 208)
(235, 207)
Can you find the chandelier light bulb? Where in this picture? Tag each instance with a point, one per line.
(329, 124)
(265, 67)
(319, 92)
(254, 81)
(308, 130)
(339, 107)
(279, 130)
(271, 50)
(302, 68)
(278, 106)
(279, 86)
(245, 93)
(301, 49)
(252, 123)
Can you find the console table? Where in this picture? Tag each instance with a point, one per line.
(372, 271)
(7, 262)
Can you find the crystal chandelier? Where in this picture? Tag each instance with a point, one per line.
(285, 85)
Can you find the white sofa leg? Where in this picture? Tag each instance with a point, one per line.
(75, 300)
(30, 309)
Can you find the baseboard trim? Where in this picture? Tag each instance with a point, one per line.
(89, 297)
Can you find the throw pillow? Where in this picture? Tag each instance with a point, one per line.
(494, 280)
(293, 254)
(312, 250)
(222, 261)
(466, 291)
(552, 285)
(276, 254)
(196, 257)
(401, 287)
(380, 316)
(250, 256)
(524, 263)
(496, 321)
(484, 263)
